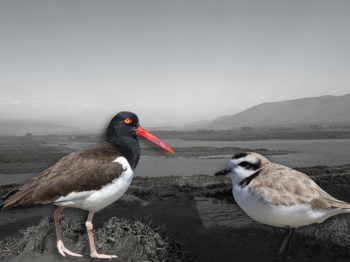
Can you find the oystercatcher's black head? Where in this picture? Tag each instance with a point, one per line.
(122, 132)
(123, 125)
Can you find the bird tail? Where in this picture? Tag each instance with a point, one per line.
(2, 202)
(4, 198)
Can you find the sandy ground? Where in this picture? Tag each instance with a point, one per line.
(211, 230)
(200, 213)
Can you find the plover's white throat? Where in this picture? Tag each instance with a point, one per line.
(279, 196)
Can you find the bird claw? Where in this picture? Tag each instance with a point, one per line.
(63, 251)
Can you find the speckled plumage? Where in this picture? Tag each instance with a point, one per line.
(277, 195)
(283, 186)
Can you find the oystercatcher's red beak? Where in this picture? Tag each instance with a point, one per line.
(143, 133)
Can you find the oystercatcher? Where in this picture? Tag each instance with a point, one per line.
(279, 196)
(90, 179)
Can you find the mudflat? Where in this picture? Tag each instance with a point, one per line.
(197, 213)
(193, 218)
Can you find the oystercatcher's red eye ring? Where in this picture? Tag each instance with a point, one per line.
(127, 121)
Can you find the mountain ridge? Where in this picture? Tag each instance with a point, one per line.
(308, 110)
(15, 127)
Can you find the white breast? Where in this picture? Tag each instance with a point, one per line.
(280, 216)
(96, 200)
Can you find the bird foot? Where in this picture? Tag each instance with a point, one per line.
(95, 255)
(63, 251)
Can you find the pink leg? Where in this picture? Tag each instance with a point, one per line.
(60, 246)
(89, 228)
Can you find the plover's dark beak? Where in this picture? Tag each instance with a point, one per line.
(222, 172)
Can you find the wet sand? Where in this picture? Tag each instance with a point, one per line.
(197, 211)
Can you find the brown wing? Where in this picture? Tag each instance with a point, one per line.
(287, 187)
(83, 170)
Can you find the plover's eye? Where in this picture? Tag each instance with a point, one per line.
(243, 164)
(127, 121)
(250, 166)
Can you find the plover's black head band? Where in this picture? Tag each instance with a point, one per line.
(240, 155)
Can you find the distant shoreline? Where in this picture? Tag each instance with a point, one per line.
(255, 135)
(21, 156)
(208, 151)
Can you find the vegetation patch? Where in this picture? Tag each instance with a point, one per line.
(331, 237)
(195, 181)
(141, 194)
(9, 247)
(130, 239)
(315, 171)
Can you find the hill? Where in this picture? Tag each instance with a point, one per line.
(311, 110)
(22, 127)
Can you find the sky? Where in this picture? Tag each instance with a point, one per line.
(171, 62)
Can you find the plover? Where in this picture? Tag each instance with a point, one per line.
(89, 179)
(279, 196)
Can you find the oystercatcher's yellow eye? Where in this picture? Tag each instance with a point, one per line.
(127, 121)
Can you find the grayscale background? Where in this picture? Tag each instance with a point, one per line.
(78, 63)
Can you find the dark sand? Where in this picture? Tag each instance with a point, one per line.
(199, 212)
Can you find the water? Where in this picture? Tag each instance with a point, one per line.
(310, 153)
(180, 166)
